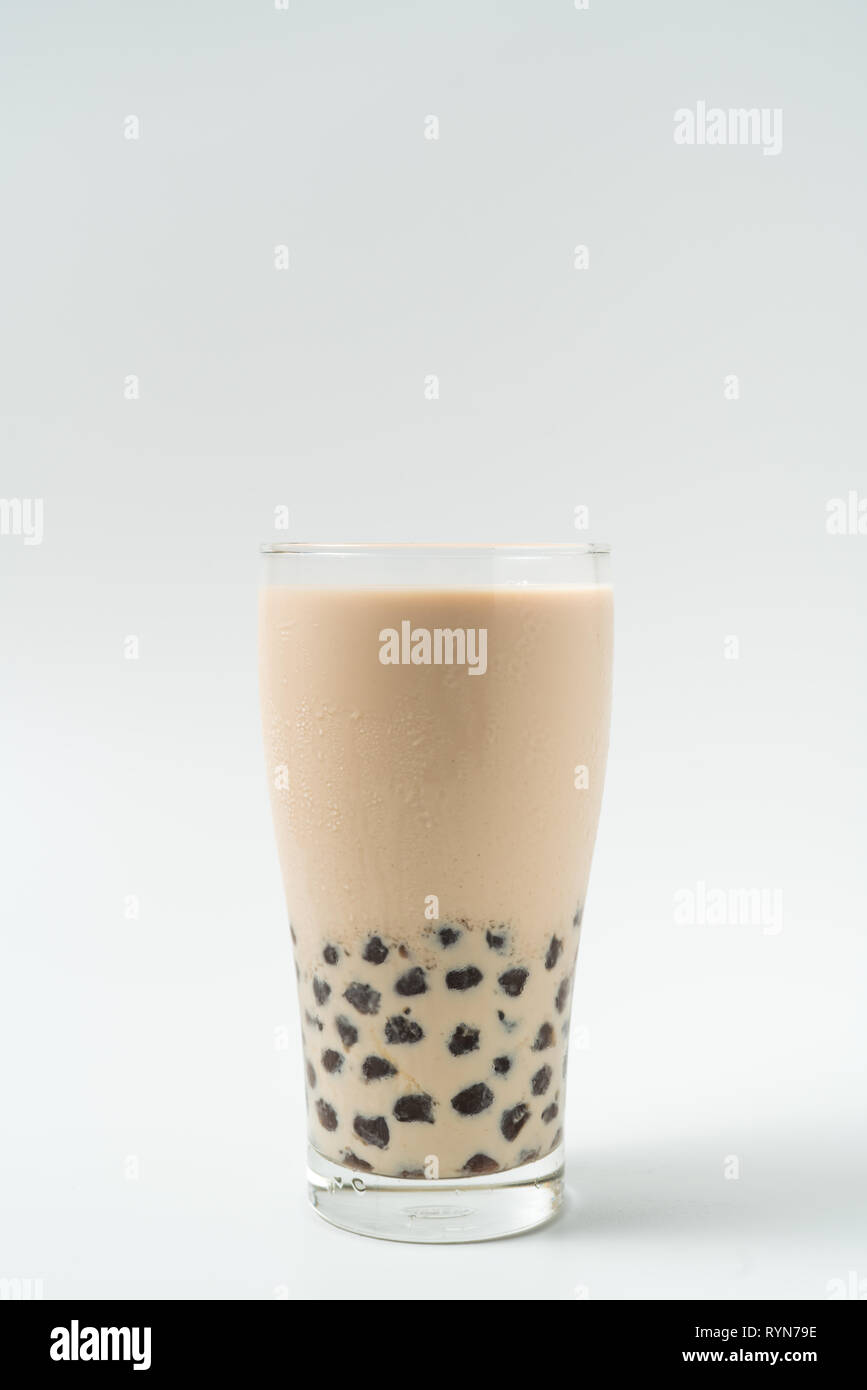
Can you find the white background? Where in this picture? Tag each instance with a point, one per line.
(151, 1137)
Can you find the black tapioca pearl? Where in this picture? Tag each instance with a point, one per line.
(556, 1140)
(411, 1108)
(403, 1030)
(579, 913)
(374, 1068)
(502, 1065)
(513, 1121)
(372, 1129)
(348, 1031)
(541, 1081)
(463, 1039)
(448, 935)
(511, 982)
(313, 1021)
(473, 1100)
(550, 1112)
(332, 1061)
(413, 982)
(413, 1173)
(402, 951)
(480, 1163)
(467, 978)
(508, 1023)
(311, 1074)
(528, 1155)
(331, 955)
(353, 1161)
(292, 934)
(544, 1038)
(327, 1114)
(554, 953)
(321, 990)
(375, 951)
(562, 998)
(497, 940)
(362, 997)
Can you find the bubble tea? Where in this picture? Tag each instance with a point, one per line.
(436, 734)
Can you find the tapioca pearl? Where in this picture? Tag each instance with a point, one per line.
(313, 1021)
(353, 1161)
(463, 1039)
(528, 1155)
(562, 997)
(321, 990)
(403, 1030)
(502, 1065)
(372, 1129)
(579, 913)
(556, 1140)
(473, 1100)
(512, 982)
(541, 1081)
(402, 951)
(544, 1038)
(375, 951)
(513, 1121)
(480, 1163)
(331, 955)
(554, 952)
(510, 1024)
(409, 1109)
(466, 978)
(348, 1031)
(497, 940)
(375, 1068)
(448, 936)
(292, 934)
(414, 1173)
(311, 1074)
(327, 1115)
(332, 1061)
(413, 982)
(550, 1112)
(363, 997)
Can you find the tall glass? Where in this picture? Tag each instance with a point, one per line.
(436, 729)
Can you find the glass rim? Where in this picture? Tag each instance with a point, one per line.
(413, 547)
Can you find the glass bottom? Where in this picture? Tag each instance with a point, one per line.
(441, 1211)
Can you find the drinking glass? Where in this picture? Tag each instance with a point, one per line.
(436, 728)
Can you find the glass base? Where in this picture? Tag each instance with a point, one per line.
(441, 1211)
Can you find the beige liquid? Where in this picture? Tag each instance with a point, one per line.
(435, 853)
